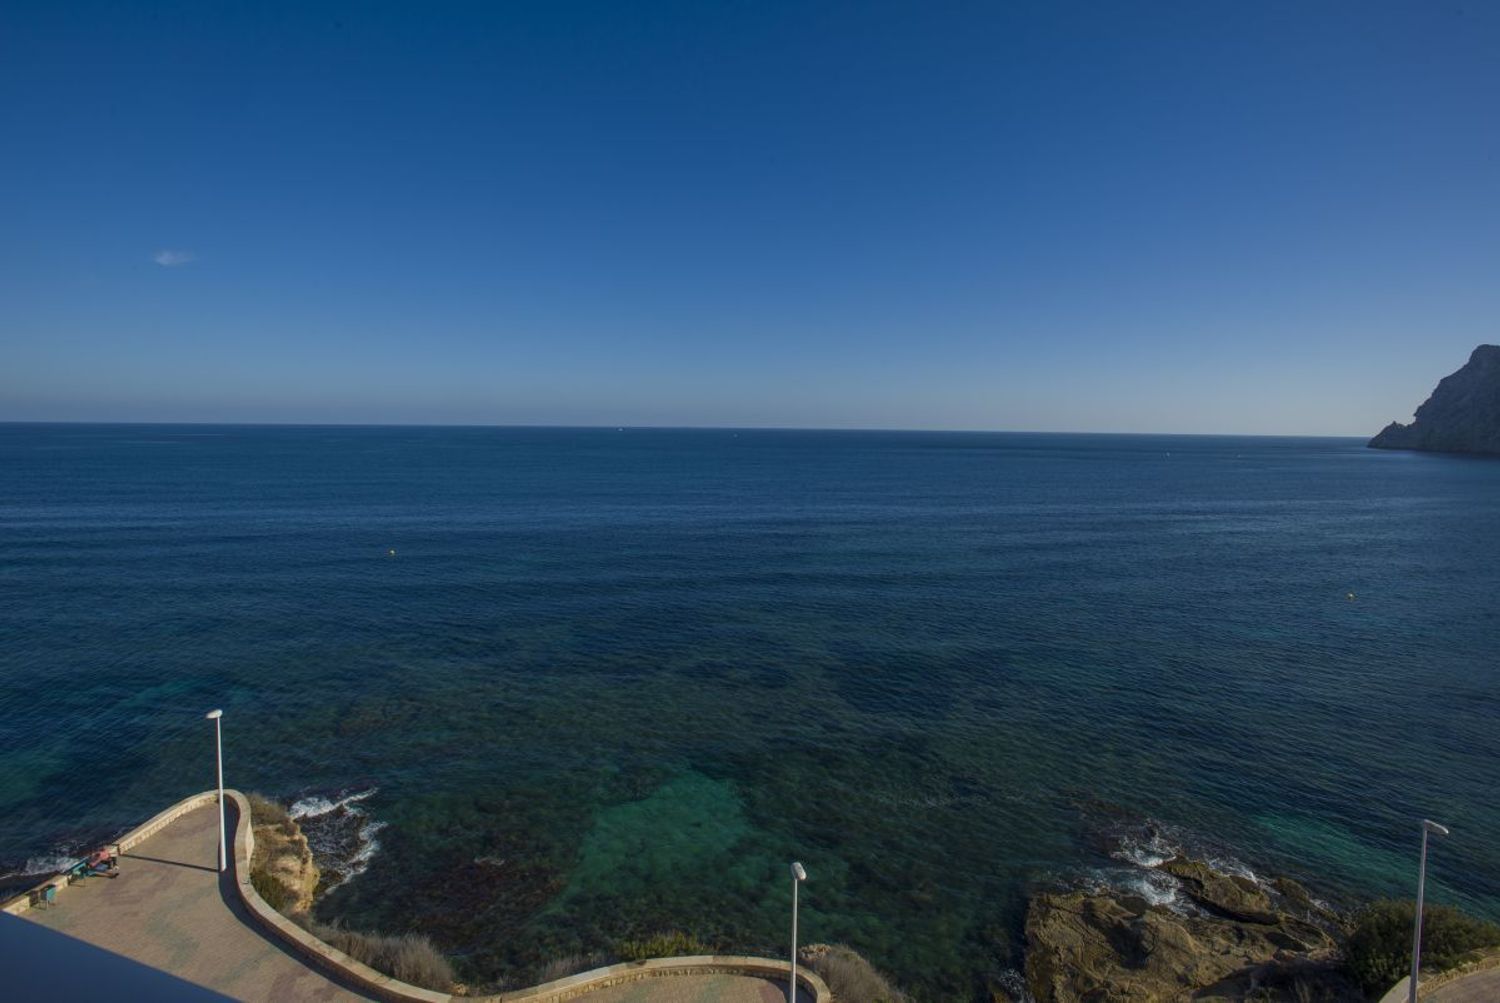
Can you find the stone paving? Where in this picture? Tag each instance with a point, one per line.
(170, 908)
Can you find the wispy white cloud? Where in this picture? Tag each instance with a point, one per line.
(171, 259)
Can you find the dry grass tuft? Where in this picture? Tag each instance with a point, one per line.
(266, 811)
(572, 964)
(409, 957)
(850, 978)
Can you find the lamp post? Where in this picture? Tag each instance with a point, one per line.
(1416, 939)
(216, 716)
(799, 875)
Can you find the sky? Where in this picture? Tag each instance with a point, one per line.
(1227, 217)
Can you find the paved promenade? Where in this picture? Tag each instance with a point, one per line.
(169, 908)
(1481, 987)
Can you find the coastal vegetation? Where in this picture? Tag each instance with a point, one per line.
(264, 811)
(409, 957)
(662, 945)
(1378, 952)
(850, 977)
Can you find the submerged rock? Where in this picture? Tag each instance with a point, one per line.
(1109, 948)
(1461, 416)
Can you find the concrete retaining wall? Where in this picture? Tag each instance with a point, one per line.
(574, 986)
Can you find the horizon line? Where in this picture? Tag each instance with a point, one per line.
(675, 428)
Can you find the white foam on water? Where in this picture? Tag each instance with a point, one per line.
(1232, 867)
(1014, 984)
(369, 846)
(344, 858)
(311, 807)
(47, 864)
(1158, 888)
(1151, 851)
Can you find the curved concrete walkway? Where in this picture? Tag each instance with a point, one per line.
(170, 909)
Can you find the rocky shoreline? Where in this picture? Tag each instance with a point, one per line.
(1170, 924)
(1235, 938)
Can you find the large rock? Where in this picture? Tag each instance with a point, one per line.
(1226, 894)
(1101, 948)
(1461, 416)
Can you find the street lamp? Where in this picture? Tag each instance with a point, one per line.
(799, 875)
(1416, 939)
(215, 716)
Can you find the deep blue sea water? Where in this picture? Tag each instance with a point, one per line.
(610, 682)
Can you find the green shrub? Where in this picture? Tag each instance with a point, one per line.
(409, 957)
(850, 978)
(662, 945)
(274, 892)
(1378, 952)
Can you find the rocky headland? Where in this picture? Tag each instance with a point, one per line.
(282, 867)
(1229, 938)
(1461, 416)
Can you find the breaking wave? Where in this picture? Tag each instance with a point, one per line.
(50, 863)
(1149, 849)
(340, 833)
(1157, 887)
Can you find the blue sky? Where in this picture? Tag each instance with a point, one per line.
(1195, 217)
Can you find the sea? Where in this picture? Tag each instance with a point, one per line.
(540, 691)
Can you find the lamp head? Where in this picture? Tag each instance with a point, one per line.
(798, 872)
(214, 715)
(1434, 828)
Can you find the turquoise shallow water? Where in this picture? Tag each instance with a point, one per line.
(611, 681)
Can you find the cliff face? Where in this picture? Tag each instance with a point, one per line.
(1461, 416)
(283, 859)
